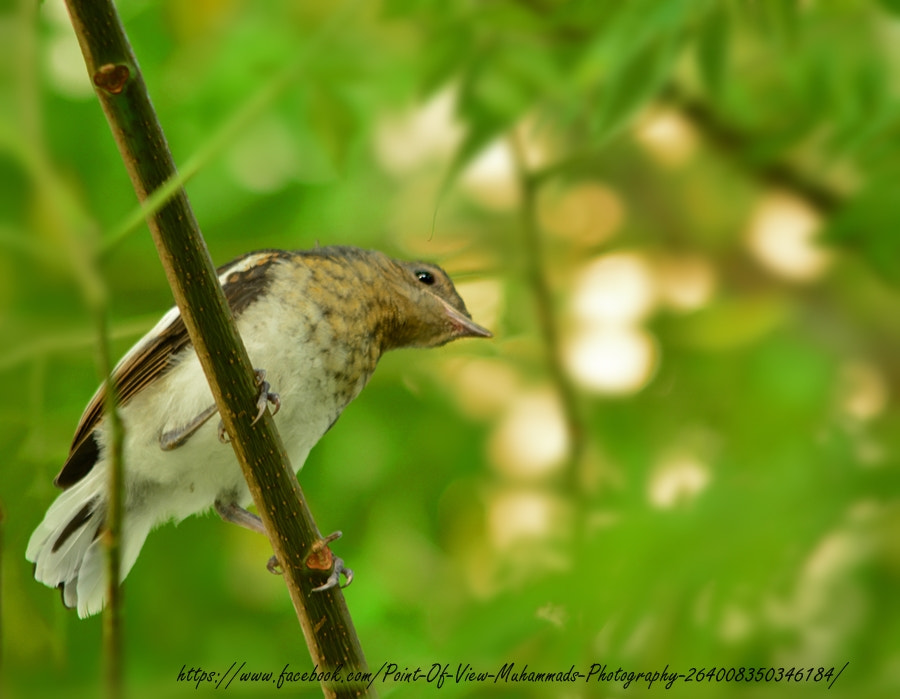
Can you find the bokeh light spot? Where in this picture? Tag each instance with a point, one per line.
(532, 439)
(667, 137)
(617, 288)
(66, 70)
(782, 234)
(678, 478)
(483, 387)
(863, 392)
(685, 283)
(407, 140)
(587, 214)
(611, 359)
(515, 516)
(491, 178)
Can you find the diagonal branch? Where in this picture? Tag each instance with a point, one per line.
(733, 142)
(114, 71)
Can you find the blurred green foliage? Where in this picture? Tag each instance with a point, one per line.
(735, 505)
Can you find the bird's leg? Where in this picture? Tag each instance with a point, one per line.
(234, 513)
(265, 397)
(175, 438)
(320, 558)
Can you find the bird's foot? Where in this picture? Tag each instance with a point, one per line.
(334, 579)
(265, 396)
(319, 559)
(322, 558)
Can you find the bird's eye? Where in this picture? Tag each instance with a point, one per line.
(425, 277)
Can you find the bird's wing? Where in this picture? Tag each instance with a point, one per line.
(242, 280)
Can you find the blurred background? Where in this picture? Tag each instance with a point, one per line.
(680, 220)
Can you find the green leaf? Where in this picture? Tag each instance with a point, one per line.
(629, 31)
(483, 128)
(625, 92)
(712, 49)
(494, 94)
(449, 50)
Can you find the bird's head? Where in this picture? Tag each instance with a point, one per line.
(425, 308)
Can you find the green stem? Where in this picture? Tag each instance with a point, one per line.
(548, 326)
(2, 524)
(112, 619)
(114, 71)
(78, 238)
(734, 143)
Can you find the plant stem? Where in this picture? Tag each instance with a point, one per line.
(2, 524)
(112, 619)
(733, 143)
(114, 71)
(529, 184)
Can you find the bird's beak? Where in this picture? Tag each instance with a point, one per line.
(462, 325)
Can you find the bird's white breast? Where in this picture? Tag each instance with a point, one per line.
(178, 483)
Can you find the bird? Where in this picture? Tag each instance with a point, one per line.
(315, 323)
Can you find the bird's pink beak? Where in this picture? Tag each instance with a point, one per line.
(462, 326)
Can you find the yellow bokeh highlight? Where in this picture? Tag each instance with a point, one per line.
(781, 235)
(587, 214)
(532, 438)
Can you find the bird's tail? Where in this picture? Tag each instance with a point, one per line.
(67, 547)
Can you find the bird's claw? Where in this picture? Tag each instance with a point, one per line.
(322, 558)
(265, 396)
(334, 579)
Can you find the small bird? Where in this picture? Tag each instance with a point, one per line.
(314, 322)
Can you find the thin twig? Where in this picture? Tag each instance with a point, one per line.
(112, 620)
(2, 524)
(324, 617)
(535, 259)
(734, 143)
(80, 240)
(77, 237)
